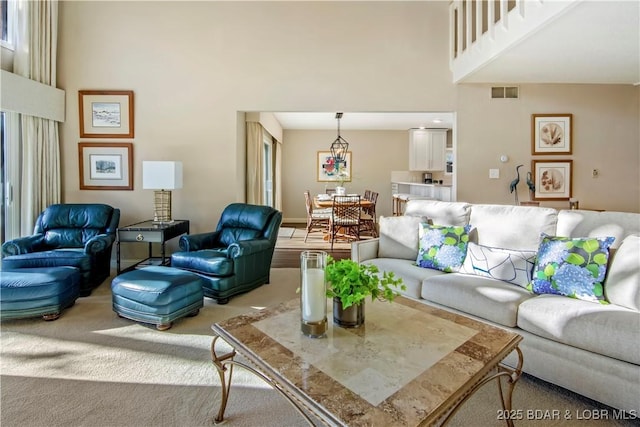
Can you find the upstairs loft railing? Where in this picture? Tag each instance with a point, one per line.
(481, 29)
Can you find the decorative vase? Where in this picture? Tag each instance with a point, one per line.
(313, 293)
(350, 317)
(341, 191)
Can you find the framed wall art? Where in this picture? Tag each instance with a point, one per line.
(106, 166)
(106, 113)
(553, 179)
(329, 170)
(551, 134)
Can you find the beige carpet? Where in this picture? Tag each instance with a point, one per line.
(92, 368)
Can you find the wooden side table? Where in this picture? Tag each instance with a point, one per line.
(149, 232)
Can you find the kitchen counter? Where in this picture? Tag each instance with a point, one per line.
(422, 184)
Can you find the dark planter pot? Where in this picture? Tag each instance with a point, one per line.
(351, 317)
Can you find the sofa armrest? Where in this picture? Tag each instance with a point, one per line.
(98, 244)
(195, 242)
(248, 247)
(363, 250)
(23, 245)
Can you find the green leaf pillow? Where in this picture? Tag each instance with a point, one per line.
(442, 247)
(573, 267)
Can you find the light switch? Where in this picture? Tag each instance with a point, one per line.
(494, 173)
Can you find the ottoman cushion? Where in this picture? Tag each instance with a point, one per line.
(32, 292)
(157, 294)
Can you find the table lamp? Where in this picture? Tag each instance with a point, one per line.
(162, 177)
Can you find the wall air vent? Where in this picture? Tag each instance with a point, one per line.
(510, 92)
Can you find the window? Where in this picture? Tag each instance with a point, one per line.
(267, 168)
(6, 23)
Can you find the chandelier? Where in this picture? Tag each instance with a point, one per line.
(340, 146)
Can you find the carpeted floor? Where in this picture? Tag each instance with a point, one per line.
(92, 368)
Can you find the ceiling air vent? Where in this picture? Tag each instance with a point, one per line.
(510, 92)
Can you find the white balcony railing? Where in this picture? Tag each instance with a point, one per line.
(481, 29)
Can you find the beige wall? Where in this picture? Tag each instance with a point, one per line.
(605, 137)
(195, 67)
(374, 154)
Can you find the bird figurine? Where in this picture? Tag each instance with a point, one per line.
(531, 185)
(514, 184)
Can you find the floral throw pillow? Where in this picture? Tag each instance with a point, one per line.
(442, 247)
(573, 267)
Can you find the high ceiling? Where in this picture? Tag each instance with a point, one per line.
(594, 42)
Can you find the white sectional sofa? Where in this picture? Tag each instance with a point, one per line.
(588, 347)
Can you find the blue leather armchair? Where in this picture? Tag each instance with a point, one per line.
(69, 235)
(236, 257)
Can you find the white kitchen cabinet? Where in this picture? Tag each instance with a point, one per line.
(427, 149)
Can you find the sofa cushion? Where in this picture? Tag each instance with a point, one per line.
(622, 285)
(610, 330)
(444, 213)
(577, 223)
(399, 236)
(572, 267)
(511, 227)
(501, 264)
(411, 275)
(484, 297)
(442, 247)
(213, 262)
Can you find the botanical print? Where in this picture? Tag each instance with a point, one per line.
(552, 180)
(105, 114)
(551, 134)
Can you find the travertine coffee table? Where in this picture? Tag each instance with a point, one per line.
(410, 364)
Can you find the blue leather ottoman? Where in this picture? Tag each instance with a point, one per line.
(41, 291)
(157, 295)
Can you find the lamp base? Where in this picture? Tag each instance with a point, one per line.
(162, 207)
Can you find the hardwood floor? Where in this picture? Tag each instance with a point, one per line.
(289, 257)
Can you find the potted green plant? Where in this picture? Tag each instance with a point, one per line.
(350, 283)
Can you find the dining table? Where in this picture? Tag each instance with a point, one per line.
(327, 202)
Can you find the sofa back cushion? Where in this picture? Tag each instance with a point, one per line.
(511, 227)
(72, 225)
(399, 236)
(622, 285)
(440, 213)
(578, 223)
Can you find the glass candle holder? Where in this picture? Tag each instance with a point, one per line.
(313, 293)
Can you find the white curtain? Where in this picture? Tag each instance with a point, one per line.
(35, 58)
(277, 178)
(255, 183)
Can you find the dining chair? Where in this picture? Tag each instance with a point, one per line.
(345, 217)
(368, 220)
(367, 195)
(330, 191)
(317, 219)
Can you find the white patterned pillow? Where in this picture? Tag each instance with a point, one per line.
(506, 265)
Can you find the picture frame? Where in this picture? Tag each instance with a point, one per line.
(553, 179)
(551, 134)
(106, 166)
(326, 171)
(106, 113)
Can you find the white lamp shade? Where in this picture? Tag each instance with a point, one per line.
(161, 175)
